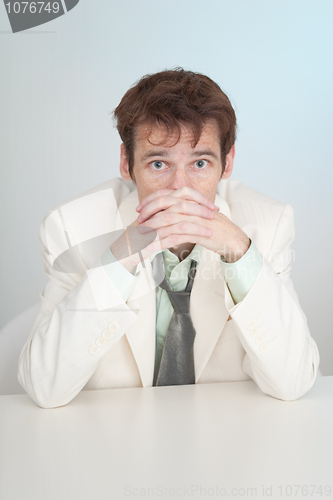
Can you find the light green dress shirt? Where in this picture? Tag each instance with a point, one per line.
(239, 277)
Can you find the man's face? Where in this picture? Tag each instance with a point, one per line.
(159, 164)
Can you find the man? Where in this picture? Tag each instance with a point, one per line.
(104, 323)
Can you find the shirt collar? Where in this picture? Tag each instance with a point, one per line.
(167, 254)
(177, 271)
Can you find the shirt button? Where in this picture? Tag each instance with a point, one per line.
(253, 332)
(263, 347)
(258, 339)
(106, 334)
(100, 342)
(250, 325)
(93, 349)
(113, 327)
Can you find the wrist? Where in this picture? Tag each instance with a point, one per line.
(233, 255)
(130, 263)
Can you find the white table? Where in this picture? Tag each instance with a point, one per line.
(203, 441)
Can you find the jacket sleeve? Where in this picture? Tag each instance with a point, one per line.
(80, 318)
(281, 356)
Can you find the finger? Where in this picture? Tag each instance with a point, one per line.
(191, 208)
(164, 219)
(177, 206)
(156, 205)
(185, 192)
(184, 228)
(188, 193)
(178, 239)
(172, 241)
(152, 196)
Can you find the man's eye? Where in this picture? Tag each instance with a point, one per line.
(157, 165)
(201, 163)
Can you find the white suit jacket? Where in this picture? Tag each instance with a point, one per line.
(86, 337)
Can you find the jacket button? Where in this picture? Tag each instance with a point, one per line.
(113, 327)
(93, 349)
(100, 342)
(263, 347)
(106, 334)
(250, 325)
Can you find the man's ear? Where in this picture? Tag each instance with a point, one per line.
(124, 168)
(229, 163)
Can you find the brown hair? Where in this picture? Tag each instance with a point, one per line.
(173, 98)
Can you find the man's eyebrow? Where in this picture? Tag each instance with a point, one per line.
(166, 152)
(155, 152)
(205, 152)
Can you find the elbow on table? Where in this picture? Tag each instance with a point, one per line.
(43, 398)
(293, 391)
(48, 403)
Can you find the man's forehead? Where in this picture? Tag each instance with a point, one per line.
(160, 135)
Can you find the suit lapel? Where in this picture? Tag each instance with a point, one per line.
(208, 311)
(141, 336)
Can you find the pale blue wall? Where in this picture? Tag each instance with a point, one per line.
(59, 81)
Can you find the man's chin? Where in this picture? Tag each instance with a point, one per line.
(183, 250)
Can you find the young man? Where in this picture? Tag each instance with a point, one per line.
(104, 321)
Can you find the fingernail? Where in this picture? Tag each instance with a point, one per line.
(138, 208)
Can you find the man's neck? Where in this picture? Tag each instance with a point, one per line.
(182, 251)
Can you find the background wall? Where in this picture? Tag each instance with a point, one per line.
(60, 81)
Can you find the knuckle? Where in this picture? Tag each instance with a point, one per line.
(143, 213)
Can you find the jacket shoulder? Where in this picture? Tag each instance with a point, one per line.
(261, 217)
(234, 192)
(119, 187)
(83, 218)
